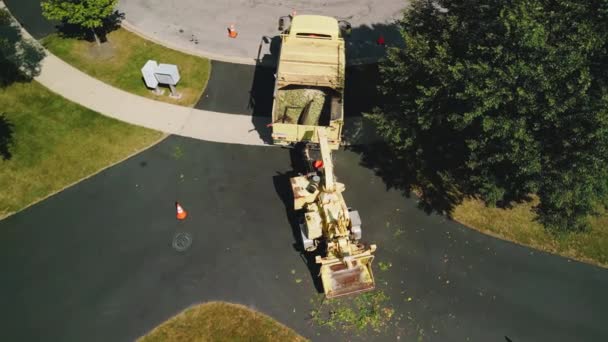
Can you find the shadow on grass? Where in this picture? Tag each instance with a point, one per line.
(19, 57)
(6, 137)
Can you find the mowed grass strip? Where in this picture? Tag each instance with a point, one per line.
(118, 62)
(519, 224)
(54, 143)
(219, 321)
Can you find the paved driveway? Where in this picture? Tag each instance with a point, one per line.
(95, 262)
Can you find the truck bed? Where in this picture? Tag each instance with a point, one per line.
(311, 61)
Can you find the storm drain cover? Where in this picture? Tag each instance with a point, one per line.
(182, 241)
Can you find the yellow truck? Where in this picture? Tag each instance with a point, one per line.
(309, 88)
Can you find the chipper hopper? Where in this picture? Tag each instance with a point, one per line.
(348, 275)
(328, 224)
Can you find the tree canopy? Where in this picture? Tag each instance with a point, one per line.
(504, 99)
(88, 14)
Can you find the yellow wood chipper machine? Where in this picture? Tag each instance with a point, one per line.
(308, 110)
(329, 224)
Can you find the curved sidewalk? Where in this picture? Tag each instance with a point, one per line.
(81, 88)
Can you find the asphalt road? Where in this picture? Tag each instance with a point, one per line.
(95, 262)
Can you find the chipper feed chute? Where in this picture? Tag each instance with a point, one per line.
(348, 276)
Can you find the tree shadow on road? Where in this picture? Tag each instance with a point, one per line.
(436, 190)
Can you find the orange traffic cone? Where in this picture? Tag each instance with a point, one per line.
(232, 31)
(181, 213)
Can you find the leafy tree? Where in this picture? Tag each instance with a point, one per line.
(504, 99)
(88, 14)
(19, 57)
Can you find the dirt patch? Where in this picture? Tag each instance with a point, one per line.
(104, 51)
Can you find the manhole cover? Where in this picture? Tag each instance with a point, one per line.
(182, 241)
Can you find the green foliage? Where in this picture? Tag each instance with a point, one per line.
(178, 153)
(88, 14)
(384, 266)
(365, 311)
(19, 57)
(504, 99)
(301, 105)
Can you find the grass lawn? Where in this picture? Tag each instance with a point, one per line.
(55, 143)
(118, 62)
(217, 321)
(518, 224)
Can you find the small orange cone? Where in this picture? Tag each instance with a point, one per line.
(181, 213)
(232, 31)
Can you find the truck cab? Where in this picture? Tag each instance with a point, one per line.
(309, 85)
